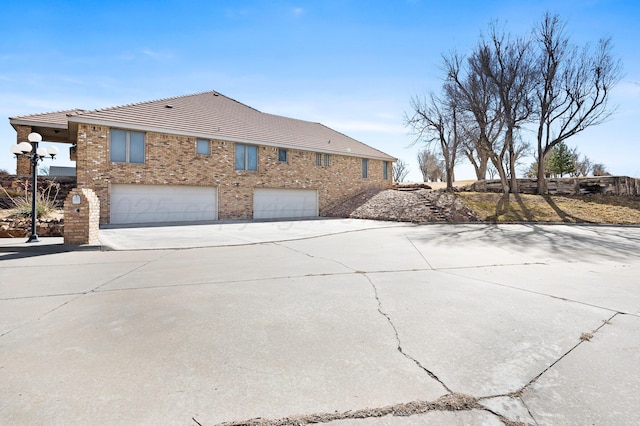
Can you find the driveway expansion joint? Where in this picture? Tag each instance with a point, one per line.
(419, 252)
(582, 340)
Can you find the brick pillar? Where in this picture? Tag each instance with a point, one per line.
(81, 217)
(23, 165)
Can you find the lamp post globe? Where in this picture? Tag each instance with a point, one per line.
(34, 137)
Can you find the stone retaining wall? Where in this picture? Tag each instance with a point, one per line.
(21, 228)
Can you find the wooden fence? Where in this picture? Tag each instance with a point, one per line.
(609, 185)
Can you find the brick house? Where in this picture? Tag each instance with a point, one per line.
(207, 157)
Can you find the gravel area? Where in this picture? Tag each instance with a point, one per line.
(421, 205)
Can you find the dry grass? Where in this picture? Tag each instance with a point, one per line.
(12, 214)
(607, 209)
(22, 205)
(456, 184)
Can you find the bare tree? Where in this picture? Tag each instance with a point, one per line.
(574, 88)
(435, 120)
(474, 150)
(582, 164)
(491, 171)
(482, 121)
(400, 170)
(506, 84)
(508, 64)
(600, 169)
(430, 166)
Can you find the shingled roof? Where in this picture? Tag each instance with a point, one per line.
(52, 119)
(213, 115)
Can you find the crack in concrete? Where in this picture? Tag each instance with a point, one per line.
(520, 392)
(318, 418)
(314, 257)
(449, 402)
(528, 409)
(397, 336)
(580, 342)
(511, 395)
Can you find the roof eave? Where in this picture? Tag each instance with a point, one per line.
(35, 123)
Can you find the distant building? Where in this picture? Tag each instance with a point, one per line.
(62, 171)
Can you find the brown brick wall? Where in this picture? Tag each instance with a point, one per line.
(172, 160)
(23, 165)
(81, 221)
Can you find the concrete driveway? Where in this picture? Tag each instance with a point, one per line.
(365, 324)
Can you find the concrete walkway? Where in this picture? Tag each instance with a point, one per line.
(368, 324)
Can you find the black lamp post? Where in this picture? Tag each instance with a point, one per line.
(35, 154)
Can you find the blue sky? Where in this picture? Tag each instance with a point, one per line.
(352, 65)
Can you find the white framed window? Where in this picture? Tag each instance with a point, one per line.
(126, 146)
(365, 168)
(385, 170)
(282, 155)
(246, 157)
(327, 160)
(203, 147)
(318, 159)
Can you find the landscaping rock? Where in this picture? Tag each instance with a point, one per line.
(419, 205)
(21, 228)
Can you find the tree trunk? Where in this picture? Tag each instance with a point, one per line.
(497, 162)
(449, 179)
(448, 169)
(508, 140)
(512, 172)
(542, 180)
(481, 171)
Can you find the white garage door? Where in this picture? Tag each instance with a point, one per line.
(162, 203)
(284, 203)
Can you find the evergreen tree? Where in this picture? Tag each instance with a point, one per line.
(562, 160)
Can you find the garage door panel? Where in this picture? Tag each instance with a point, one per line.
(162, 203)
(284, 203)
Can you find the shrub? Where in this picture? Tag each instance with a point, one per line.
(45, 201)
